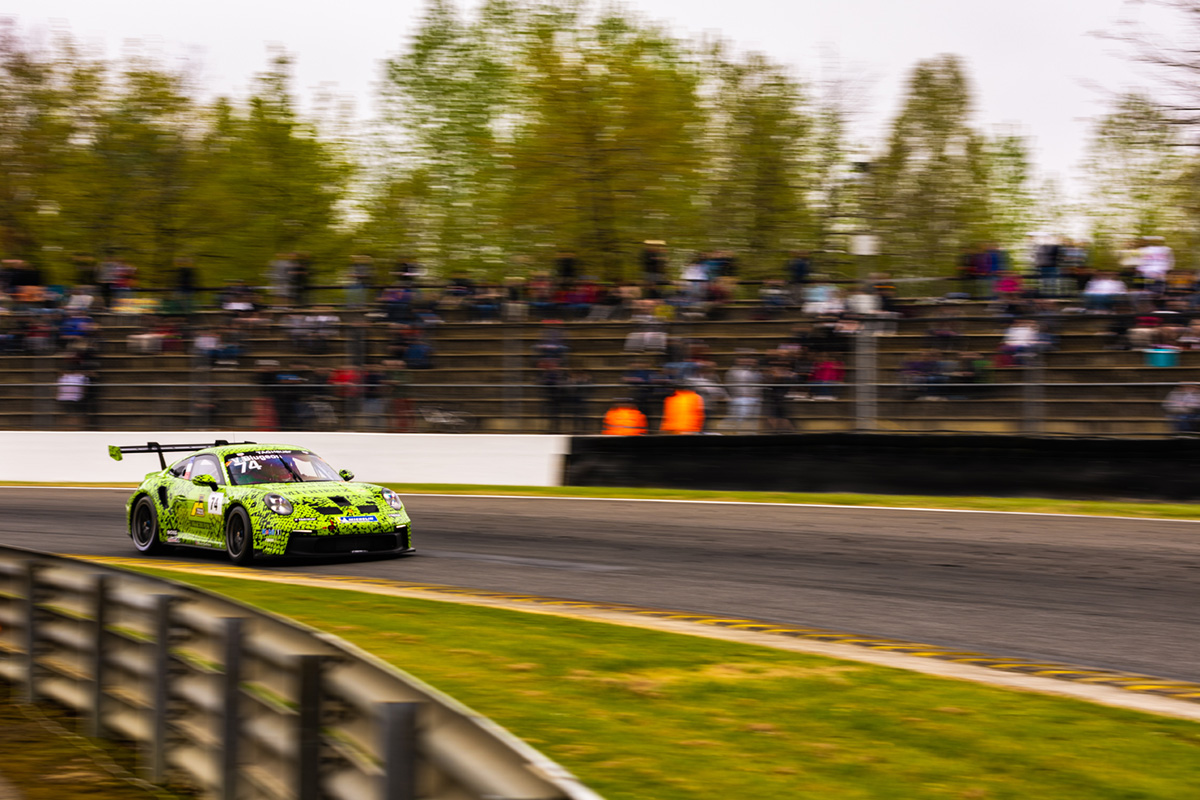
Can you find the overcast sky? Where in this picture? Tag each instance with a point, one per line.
(1033, 63)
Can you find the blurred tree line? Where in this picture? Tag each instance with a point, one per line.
(524, 131)
(104, 162)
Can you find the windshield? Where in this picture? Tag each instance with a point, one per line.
(277, 466)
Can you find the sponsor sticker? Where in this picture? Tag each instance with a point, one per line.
(359, 518)
(172, 537)
(198, 508)
(216, 502)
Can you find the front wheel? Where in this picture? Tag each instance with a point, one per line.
(144, 527)
(239, 537)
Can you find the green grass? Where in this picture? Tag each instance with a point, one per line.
(1122, 508)
(1130, 508)
(646, 715)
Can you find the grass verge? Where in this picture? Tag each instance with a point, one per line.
(43, 763)
(642, 714)
(1129, 508)
(1027, 505)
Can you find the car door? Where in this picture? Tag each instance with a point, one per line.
(176, 501)
(204, 507)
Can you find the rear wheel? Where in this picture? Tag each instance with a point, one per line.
(239, 537)
(144, 527)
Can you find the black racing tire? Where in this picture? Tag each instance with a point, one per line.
(239, 537)
(143, 527)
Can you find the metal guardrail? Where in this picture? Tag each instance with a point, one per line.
(244, 705)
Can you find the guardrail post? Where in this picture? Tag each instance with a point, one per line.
(231, 706)
(308, 767)
(29, 691)
(157, 746)
(95, 723)
(399, 750)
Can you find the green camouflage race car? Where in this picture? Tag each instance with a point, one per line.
(261, 499)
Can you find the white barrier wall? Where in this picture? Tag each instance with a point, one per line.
(501, 459)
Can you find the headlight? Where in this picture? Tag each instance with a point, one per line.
(279, 504)
(393, 499)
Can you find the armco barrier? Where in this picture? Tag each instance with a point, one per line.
(488, 459)
(1099, 469)
(242, 704)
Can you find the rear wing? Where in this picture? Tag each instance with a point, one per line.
(117, 453)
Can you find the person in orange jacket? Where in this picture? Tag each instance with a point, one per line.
(683, 412)
(624, 419)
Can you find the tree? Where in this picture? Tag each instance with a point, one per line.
(929, 189)
(758, 167)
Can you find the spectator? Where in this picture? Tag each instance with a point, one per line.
(780, 383)
(552, 346)
(1183, 407)
(552, 377)
(654, 261)
(300, 278)
(106, 277)
(683, 412)
(821, 297)
(1190, 338)
(924, 372)
(419, 354)
(359, 277)
(799, 267)
(744, 384)
(397, 402)
(704, 382)
(827, 374)
(624, 419)
(1155, 260)
(1023, 342)
(72, 392)
(266, 414)
(646, 385)
(1103, 292)
(185, 284)
(774, 298)
(346, 383)
(322, 327)
(566, 266)
(576, 395)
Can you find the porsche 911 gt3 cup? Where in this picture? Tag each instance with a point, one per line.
(261, 499)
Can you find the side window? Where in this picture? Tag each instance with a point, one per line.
(183, 469)
(208, 465)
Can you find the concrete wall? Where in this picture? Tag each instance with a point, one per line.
(510, 460)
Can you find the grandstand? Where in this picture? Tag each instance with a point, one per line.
(1081, 387)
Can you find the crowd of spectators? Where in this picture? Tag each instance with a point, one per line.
(1148, 301)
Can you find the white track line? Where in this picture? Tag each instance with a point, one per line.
(701, 502)
(797, 505)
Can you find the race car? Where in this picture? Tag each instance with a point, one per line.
(260, 500)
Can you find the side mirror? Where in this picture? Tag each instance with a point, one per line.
(346, 474)
(205, 480)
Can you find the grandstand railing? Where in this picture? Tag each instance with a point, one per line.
(1028, 406)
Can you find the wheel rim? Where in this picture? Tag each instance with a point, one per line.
(143, 528)
(237, 535)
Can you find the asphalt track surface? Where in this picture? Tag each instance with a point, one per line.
(1108, 593)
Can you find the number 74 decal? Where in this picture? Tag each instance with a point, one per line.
(216, 502)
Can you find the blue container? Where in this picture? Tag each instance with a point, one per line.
(1162, 357)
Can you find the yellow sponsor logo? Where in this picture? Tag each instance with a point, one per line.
(198, 509)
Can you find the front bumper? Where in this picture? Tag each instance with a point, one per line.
(396, 542)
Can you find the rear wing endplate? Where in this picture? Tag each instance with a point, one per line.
(117, 453)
